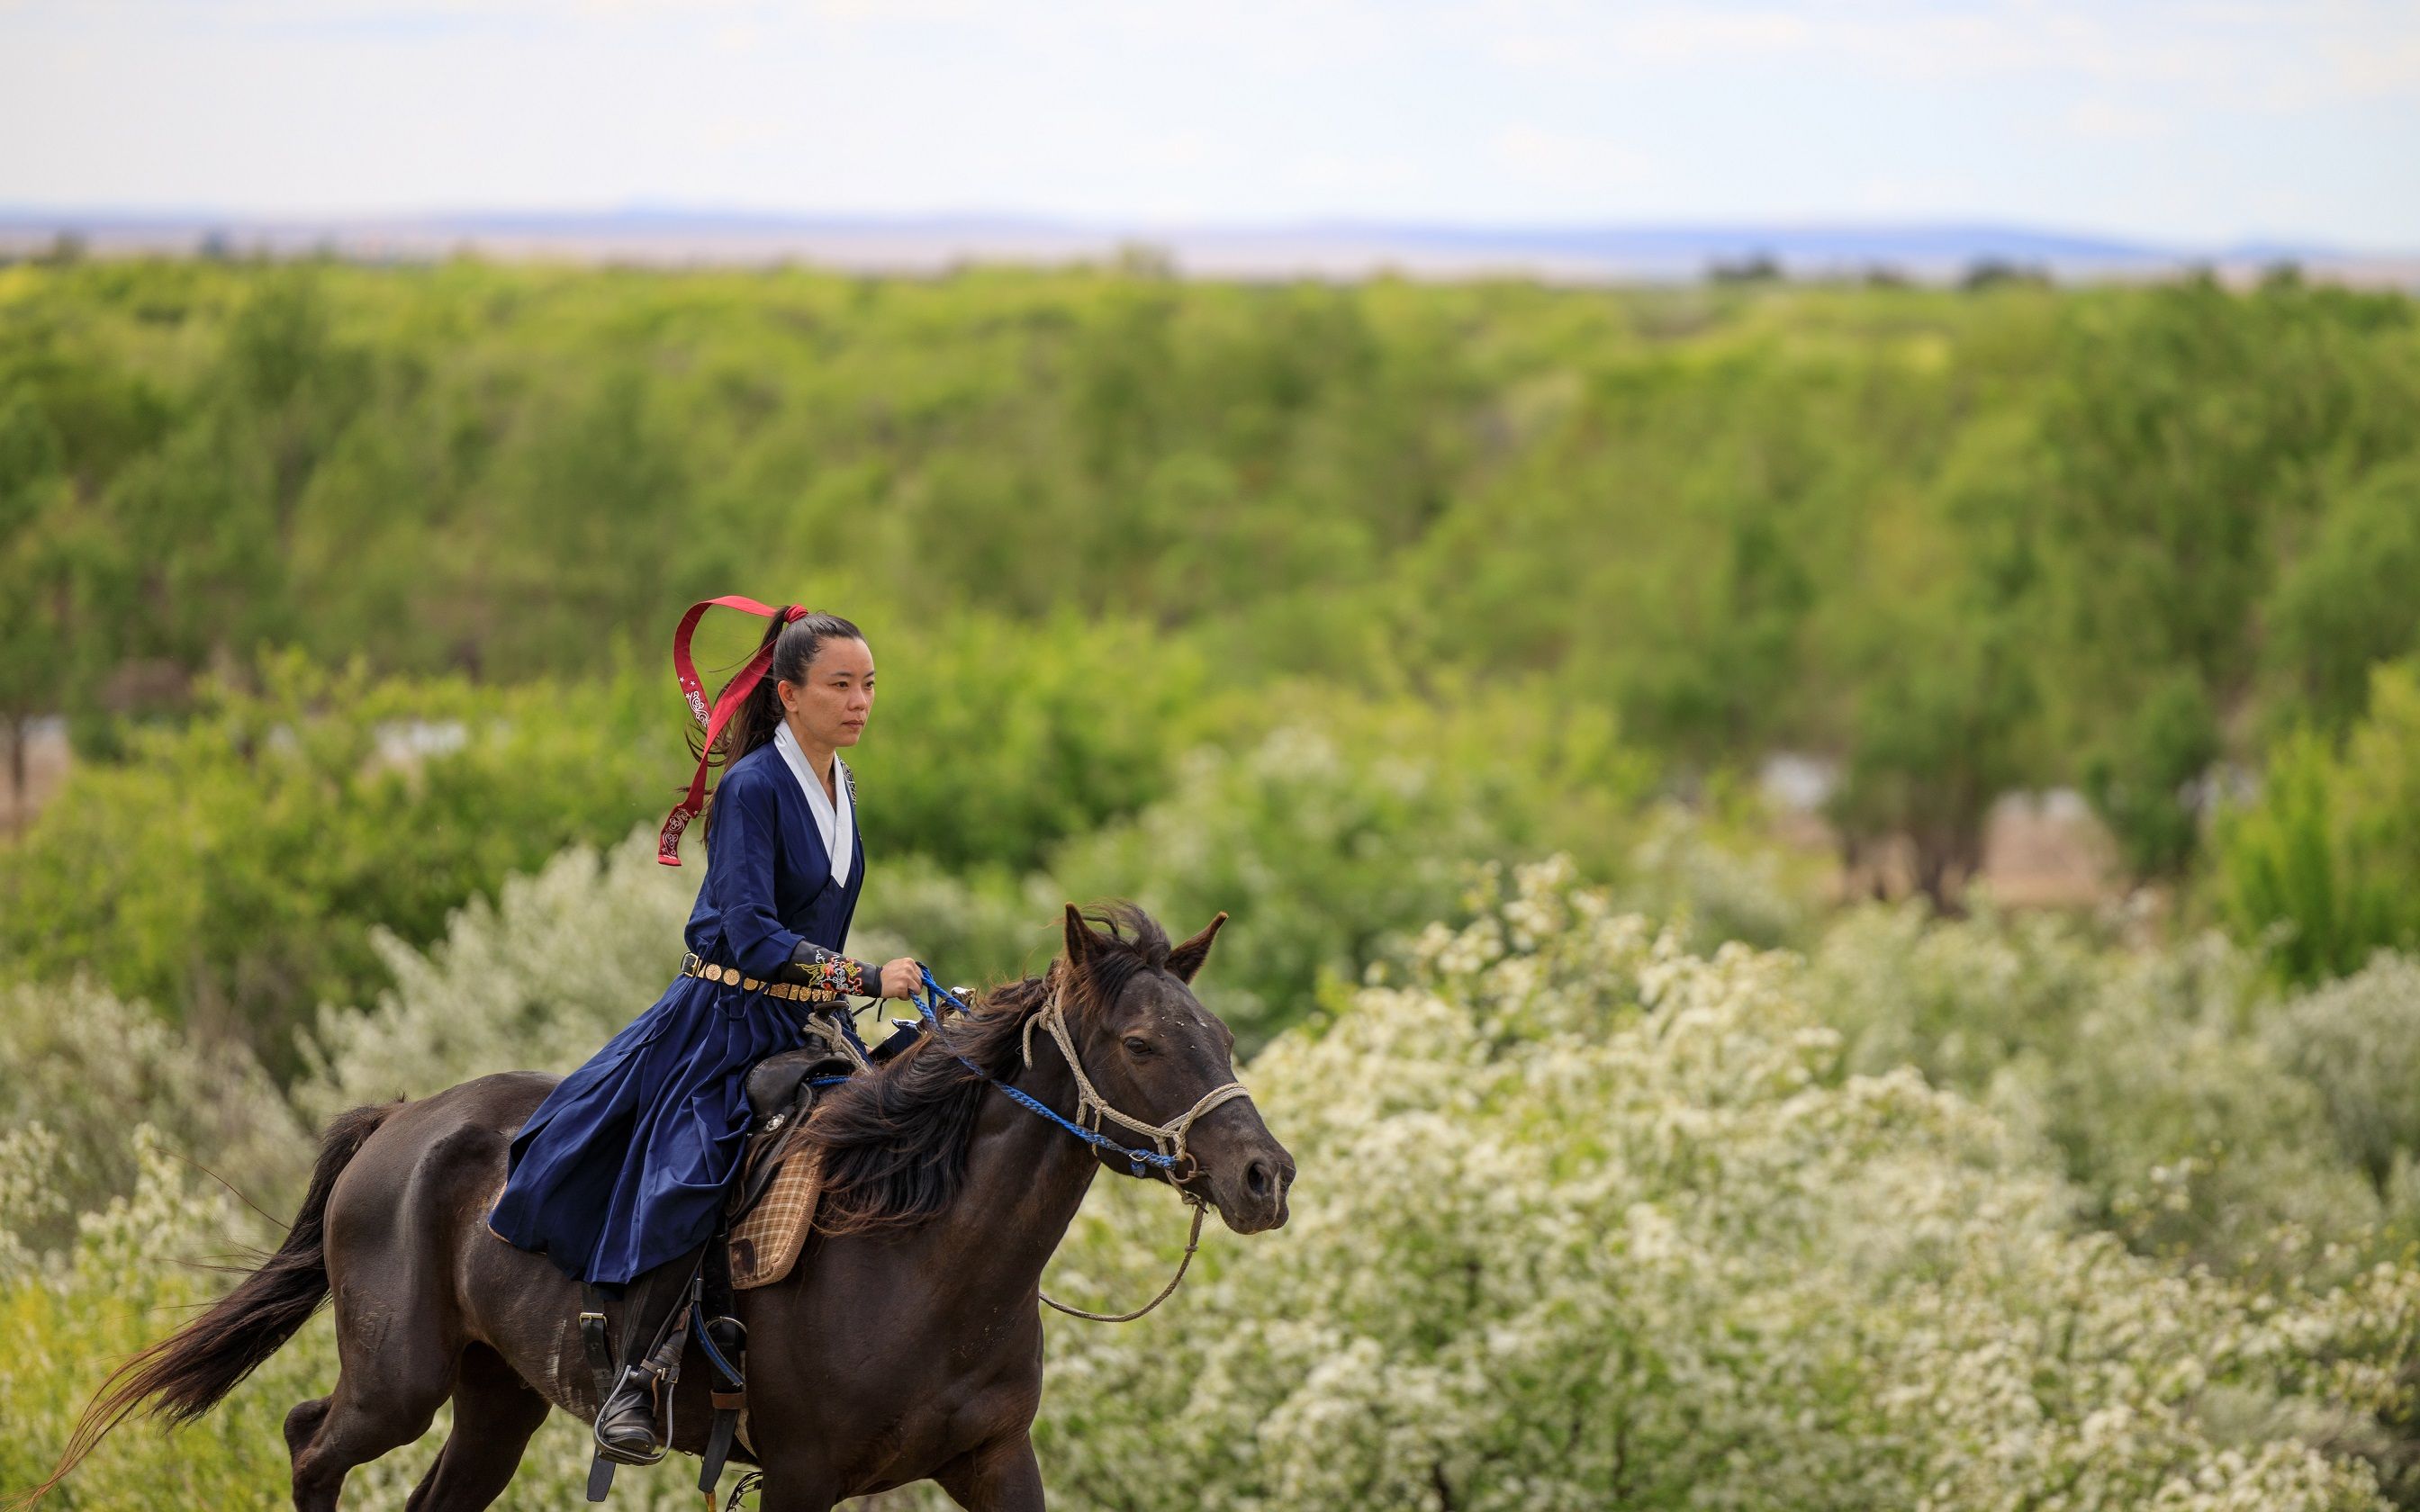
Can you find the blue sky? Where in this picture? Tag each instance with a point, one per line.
(2201, 124)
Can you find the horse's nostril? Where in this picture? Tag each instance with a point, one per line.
(1256, 1178)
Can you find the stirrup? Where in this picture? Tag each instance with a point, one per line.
(659, 1404)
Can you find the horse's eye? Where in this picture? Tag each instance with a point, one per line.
(1138, 1047)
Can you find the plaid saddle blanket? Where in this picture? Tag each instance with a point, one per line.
(767, 1236)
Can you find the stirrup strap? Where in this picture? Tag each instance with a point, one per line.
(596, 1341)
(724, 1339)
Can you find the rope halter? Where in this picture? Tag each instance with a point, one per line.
(1167, 1149)
(1091, 1107)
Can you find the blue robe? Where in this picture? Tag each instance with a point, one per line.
(624, 1166)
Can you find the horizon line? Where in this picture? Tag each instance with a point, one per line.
(21, 215)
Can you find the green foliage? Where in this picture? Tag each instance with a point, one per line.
(1328, 839)
(2346, 602)
(1319, 856)
(2140, 777)
(1936, 739)
(995, 741)
(105, 1064)
(231, 870)
(2191, 436)
(1741, 519)
(38, 543)
(2323, 866)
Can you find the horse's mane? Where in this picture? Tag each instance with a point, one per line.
(893, 1140)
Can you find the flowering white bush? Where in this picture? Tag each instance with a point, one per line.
(2357, 1041)
(85, 1065)
(1585, 1220)
(2196, 1115)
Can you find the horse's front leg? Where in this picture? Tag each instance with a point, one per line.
(1000, 1477)
(794, 1493)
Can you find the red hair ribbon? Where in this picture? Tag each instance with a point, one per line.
(735, 693)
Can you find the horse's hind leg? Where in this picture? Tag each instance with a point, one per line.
(304, 1421)
(495, 1411)
(362, 1420)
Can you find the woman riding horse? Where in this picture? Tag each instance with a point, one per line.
(619, 1176)
(940, 1203)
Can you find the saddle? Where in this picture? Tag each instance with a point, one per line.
(771, 1207)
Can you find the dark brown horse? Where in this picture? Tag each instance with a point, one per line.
(906, 1346)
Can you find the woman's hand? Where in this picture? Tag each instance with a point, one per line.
(901, 978)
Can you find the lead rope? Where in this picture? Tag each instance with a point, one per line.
(1192, 1243)
(1168, 1140)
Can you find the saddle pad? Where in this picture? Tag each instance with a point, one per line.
(767, 1240)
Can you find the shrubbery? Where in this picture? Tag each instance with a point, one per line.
(85, 1065)
(137, 1268)
(1583, 1217)
(231, 870)
(2323, 867)
(993, 742)
(2190, 1113)
(1591, 1221)
(1263, 599)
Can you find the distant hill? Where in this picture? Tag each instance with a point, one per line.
(1324, 249)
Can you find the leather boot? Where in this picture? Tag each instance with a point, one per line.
(629, 1426)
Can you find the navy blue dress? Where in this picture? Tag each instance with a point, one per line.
(624, 1166)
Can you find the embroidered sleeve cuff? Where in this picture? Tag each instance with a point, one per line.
(815, 966)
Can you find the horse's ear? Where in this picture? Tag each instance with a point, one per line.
(1186, 959)
(1081, 942)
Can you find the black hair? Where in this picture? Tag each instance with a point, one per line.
(795, 648)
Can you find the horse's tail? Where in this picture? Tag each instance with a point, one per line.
(189, 1372)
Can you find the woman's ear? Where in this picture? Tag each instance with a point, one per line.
(1186, 959)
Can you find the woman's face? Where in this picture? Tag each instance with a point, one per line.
(830, 708)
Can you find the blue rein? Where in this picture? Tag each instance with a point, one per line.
(927, 1004)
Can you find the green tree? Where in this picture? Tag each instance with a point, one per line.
(34, 587)
(2347, 601)
(1939, 735)
(2144, 775)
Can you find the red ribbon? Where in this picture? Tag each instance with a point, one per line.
(727, 704)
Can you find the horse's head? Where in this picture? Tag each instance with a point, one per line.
(1153, 1053)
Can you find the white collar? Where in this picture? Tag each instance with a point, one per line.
(838, 825)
